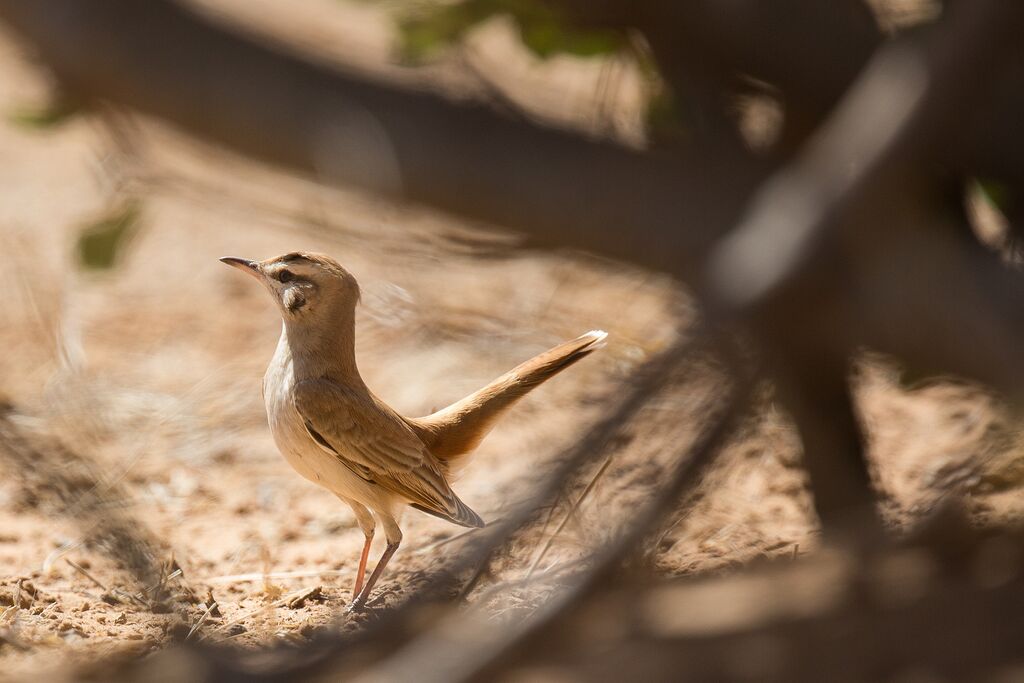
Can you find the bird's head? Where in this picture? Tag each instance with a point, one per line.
(307, 287)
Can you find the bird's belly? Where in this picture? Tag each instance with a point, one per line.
(304, 460)
(317, 465)
(301, 452)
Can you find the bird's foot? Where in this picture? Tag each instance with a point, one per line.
(356, 605)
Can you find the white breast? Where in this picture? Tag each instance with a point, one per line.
(285, 422)
(302, 453)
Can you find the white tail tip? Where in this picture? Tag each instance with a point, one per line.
(600, 338)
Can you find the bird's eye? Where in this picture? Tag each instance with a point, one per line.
(285, 276)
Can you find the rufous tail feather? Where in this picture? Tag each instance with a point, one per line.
(453, 432)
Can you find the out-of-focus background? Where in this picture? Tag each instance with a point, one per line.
(127, 341)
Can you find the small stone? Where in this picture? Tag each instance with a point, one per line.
(236, 629)
(160, 608)
(121, 618)
(224, 457)
(299, 601)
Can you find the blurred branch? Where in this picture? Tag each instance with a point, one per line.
(561, 188)
(856, 223)
(687, 473)
(850, 244)
(564, 189)
(66, 481)
(706, 49)
(800, 621)
(887, 130)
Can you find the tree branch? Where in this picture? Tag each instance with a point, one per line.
(559, 187)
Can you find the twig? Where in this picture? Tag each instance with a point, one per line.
(445, 541)
(158, 587)
(548, 574)
(202, 619)
(314, 593)
(57, 553)
(138, 600)
(483, 569)
(81, 570)
(260, 576)
(568, 515)
(277, 603)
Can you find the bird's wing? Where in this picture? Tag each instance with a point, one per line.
(377, 445)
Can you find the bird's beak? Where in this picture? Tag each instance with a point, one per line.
(245, 265)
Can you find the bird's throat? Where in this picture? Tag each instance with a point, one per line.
(323, 350)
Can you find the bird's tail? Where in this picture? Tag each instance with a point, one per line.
(456, 430)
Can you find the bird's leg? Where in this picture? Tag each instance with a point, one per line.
(367, 524)
(377, 571)
(394, 536)
(361, 573)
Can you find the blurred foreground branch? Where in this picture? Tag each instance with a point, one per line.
(67, 483)
(663, 211)
(559, 187)
(818, 618)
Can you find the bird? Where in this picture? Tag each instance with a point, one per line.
(334, 431)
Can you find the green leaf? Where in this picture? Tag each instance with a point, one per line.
(101, 242)
(546, 34)
(42, 118)
(995, 192)
(543, 30)
(427, 32)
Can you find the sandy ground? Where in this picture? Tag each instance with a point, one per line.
(153, 370)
